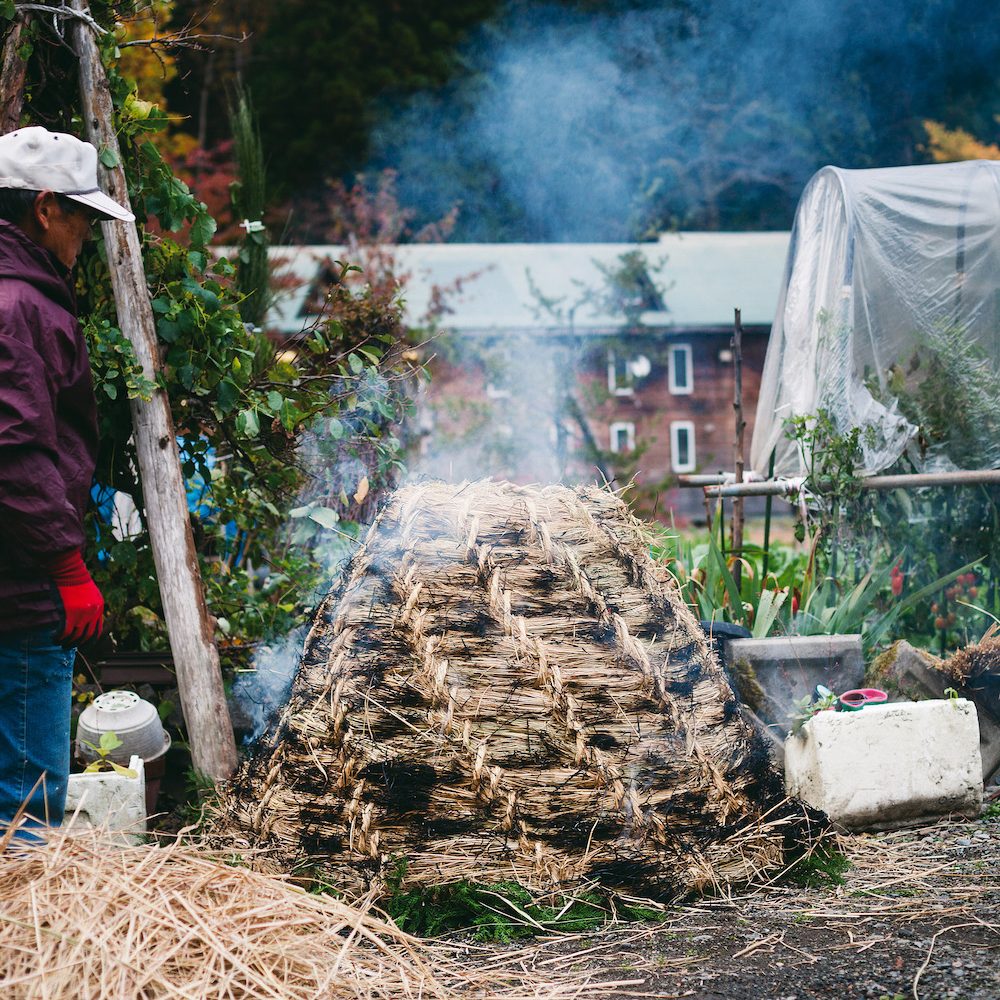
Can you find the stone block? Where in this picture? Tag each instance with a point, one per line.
(908, 673)
(108, 800)
(788, 668)
(889, 764)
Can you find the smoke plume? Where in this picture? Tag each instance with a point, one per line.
(578, 126)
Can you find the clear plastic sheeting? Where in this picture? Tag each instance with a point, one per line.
(889, 319)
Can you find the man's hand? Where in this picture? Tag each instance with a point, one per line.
(82, 601)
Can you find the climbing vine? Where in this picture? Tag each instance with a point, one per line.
(246, 409)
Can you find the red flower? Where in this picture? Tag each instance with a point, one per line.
(795, 603)
(897, 585)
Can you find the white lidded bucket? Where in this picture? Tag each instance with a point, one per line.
(133, 720)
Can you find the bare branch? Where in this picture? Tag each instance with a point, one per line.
(182, 40)
(62, 13)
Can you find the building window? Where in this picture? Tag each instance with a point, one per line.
(680, 375)
(622, 437)
(682, 457)
(620, 377)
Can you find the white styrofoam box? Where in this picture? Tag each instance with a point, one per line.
(108, 800)
(888, 764)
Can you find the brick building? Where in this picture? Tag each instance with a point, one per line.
(579, 362)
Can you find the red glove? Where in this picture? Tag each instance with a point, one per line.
(82, 601)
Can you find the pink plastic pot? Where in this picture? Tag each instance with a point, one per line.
(853, 701)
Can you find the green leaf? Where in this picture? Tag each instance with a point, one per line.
(110, 741)
(125, 554)
(767, 610)
(151, 153)
(227, 394)
(736, 613)
(203, 229)
(355, 362)
(248, 423)
(108, 157)
(111, 390)
(125, 772)
(325, 516)
(289, 414)
(168, 330)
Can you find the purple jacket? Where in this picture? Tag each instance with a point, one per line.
(48, 428)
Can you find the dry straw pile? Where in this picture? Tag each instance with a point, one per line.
(506, 687)
(85, 919)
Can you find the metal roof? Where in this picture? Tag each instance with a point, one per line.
(502, 287)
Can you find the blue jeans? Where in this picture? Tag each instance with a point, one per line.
(36, 691)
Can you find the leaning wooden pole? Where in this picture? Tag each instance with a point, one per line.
(199, 679)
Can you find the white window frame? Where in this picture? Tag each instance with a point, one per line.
(626, 388)
(675, 389)
(615, 429)
(494, 391)
(675, 430)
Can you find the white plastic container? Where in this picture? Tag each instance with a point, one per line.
(108, 800)
(890, 764)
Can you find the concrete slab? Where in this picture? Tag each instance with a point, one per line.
(888, 765)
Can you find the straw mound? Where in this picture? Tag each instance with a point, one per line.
(506, 688)
(84, 919)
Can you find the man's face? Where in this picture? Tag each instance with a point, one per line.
(64, 226)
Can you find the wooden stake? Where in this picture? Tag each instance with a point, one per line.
(738, 452)
(199, 678)
(12, 73)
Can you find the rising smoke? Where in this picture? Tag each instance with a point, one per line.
(575, 126)
(579, 126)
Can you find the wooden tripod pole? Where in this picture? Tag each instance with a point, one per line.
(738, 448)
(199, 679)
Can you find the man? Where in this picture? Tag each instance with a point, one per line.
(49, 199)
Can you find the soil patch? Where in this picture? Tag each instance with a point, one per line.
(917, 914)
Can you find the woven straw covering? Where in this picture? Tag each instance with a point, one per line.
(506, 687)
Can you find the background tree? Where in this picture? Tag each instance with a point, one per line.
(948, 145)
(318, 70)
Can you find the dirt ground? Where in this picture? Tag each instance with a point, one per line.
(916, 915)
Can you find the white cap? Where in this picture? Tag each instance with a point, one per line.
(35, 159)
